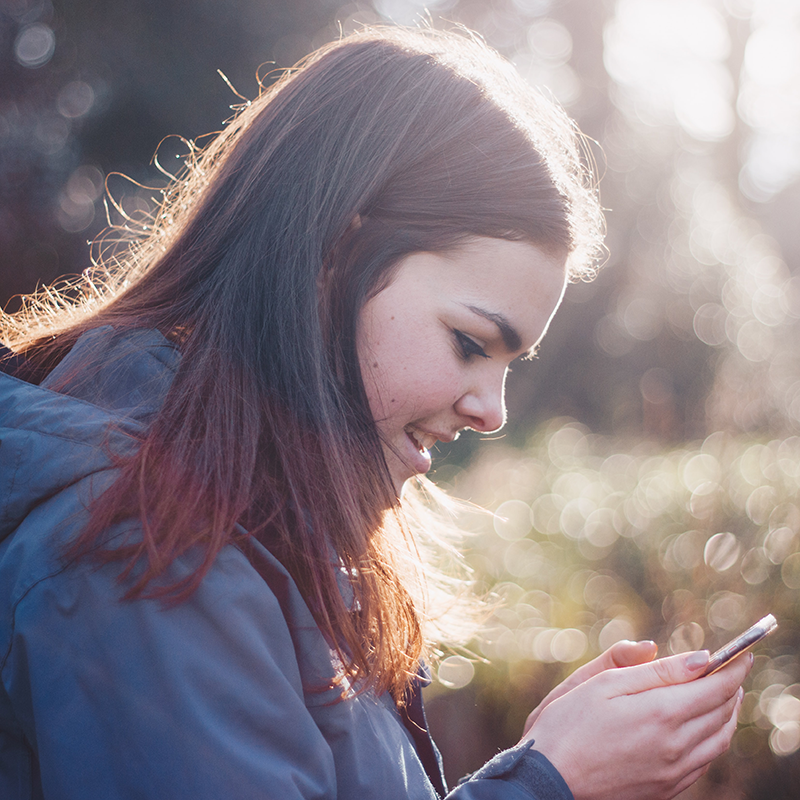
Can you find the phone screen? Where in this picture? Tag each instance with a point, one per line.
(741, 643)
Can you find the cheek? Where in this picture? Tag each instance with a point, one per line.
(407, 365)
(379, 394)
(390, 383)
(384, 365)
(405, 380)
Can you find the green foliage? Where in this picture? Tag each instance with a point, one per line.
(595, 540)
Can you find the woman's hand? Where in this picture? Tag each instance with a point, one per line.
(621, 654)
(642, 732)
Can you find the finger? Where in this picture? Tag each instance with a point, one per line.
(621, 654)
(661, 672)
(731, 676)
(716, 742)
(693, 733)
(697, 758)
(720, 742)
(628, 654)
(697, 698)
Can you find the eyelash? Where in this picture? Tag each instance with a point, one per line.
(468, 347)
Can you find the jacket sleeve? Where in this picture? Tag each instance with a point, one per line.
(200, 700)
(520, 773)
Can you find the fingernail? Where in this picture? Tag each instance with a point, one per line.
(698, 660)
(741, 694)
(752, 658)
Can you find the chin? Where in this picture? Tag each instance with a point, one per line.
(401, 474)
(400, 484)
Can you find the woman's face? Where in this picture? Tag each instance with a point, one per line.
(435, 344)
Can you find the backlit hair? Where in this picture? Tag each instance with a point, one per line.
(386, 143)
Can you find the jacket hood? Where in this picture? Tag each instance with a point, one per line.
(96, 404)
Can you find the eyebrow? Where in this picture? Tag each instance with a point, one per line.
(511, 338)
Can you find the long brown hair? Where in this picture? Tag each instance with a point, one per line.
(386, 143)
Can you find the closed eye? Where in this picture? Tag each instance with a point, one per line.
(468, 347)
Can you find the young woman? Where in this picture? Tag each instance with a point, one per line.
(210, 572)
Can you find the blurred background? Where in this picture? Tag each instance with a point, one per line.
(647, 483)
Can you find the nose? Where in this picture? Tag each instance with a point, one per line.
(483, 406)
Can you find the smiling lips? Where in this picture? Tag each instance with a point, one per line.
(419, 459)
(424, 441)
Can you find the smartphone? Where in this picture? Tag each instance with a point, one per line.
(741, 643)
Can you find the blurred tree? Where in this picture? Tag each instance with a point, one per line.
(670, 338)
(88, 88)
(690, 328)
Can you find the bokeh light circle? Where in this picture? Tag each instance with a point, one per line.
(455, 672)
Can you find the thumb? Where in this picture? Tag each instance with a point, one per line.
(662, 672)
